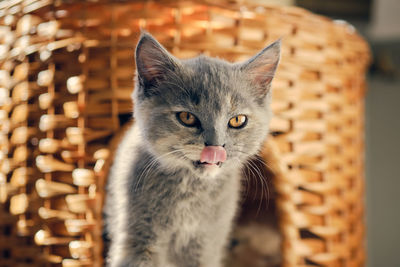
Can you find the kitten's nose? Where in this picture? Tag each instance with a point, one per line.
(213, 154)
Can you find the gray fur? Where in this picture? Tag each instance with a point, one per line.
(162, 209)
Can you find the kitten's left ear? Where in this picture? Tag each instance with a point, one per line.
(153, 62)
(261, 68)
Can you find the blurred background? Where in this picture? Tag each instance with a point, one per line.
(378, 21)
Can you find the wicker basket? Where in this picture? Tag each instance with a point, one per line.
(66, 79)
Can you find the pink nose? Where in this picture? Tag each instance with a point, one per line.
(213, 154)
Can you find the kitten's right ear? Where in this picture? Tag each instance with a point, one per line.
(261, 68)
(153, 62)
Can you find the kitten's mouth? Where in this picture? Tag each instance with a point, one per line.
(204, 164)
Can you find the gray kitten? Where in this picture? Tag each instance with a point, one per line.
(174, 187)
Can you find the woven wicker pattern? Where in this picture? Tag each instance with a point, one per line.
(66, 78)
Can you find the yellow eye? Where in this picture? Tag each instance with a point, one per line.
(187, 119)
(238, 122)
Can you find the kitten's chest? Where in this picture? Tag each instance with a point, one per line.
(200, 205)
(195, 202)
(198, 212)
(188, 216)
(188, 223)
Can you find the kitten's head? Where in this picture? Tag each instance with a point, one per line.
(203, 114)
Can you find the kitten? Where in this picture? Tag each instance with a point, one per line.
(174, 186)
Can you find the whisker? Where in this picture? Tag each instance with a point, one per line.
(254, 157)
(251, 168)
(148, 168)
(264, 185)
(256, 176)
(246, 176)
(254, 168)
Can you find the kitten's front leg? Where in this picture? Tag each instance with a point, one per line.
(131, 249)
(125, 257)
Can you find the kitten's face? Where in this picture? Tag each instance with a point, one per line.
(184, 106)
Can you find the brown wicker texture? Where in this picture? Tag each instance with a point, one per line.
(18, 141)
(66, 80)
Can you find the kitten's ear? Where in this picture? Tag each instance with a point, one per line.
(153, 62)
(261, 68)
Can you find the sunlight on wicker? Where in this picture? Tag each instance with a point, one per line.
(65, 88)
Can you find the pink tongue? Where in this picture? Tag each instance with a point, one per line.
(213, 154)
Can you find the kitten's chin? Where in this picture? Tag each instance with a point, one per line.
(213, 171)
(198, 169)
(207, 170)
